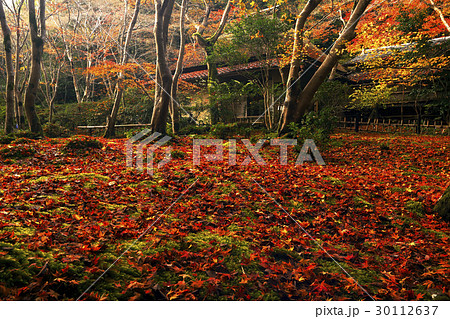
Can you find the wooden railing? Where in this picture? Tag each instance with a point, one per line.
(395, 126)
(92, 128)
(250, 119)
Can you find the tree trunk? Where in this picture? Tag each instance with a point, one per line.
(296, 103)
(37, 50)
(74, 79)
(208, 44)
(441, 15)
(111, 120)
(293, 83)
(163, 13)
(174, 111)
(18, 90)
(9, 120)
(442, 207)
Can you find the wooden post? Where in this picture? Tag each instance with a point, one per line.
(419, 119)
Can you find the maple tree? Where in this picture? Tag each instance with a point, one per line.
(111, 119)
(174, 109)
(403, 51)
(37, 35)
(9, 121)
(22, 58)
(163, 78)
(259, 37)
(298, 100)
(208, 43)
(52, 67)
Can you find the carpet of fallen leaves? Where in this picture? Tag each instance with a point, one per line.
(360, 227)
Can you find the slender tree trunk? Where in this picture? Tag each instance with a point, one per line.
(441, 15)
(297, 104)
(208, 44)
(37, 50)
(174, 111)
(88, 78)
(18, 91)
(18, 100)
(53, 90)
(163, 12)
(111, 120)
(69, 49)
(9, 120)
(293, 84)
(74, 77)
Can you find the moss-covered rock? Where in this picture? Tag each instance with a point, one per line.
(442, 207)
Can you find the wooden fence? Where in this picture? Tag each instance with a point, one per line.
(95, 128)
(395, 126)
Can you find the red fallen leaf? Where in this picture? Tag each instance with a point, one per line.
(322, 287)
(349, 257)
(196, 284)
(136, 296)
(311, 267)
(60, 279)
(225, 276)
(96, 248)
(65, 269)
(53, 294)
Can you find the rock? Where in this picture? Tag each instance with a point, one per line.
(442, 207)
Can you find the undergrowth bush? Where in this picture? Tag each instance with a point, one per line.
(315, 126)
(177, 154)
(6, 139)
(23, 140)
(26, 134)
(17, 151)
(53, 130)
(194, 129)
(224, 131)
(80, 144)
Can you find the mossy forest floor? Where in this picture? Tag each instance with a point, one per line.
(65, 218)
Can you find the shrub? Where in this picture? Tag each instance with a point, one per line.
(177, 154)
(194, 129)
(26, 134)
(133, 132)
(6, 139)
(317, 127)
(54, 130)
(82, 143)
(223, 131)
(18, 151)
(23, 140)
